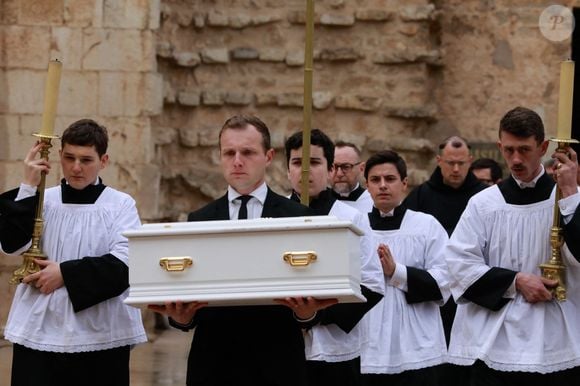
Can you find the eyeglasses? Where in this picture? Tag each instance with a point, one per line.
(346, 167)
(456, 163)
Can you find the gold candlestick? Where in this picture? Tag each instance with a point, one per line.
(45, 137)
(554, 268)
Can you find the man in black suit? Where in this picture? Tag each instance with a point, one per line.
(246, 345)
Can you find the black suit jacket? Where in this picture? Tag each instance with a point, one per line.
(247, 345)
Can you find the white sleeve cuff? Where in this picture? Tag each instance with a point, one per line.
(568, 206)
(25, 191)
(510, 293)
(399, 278)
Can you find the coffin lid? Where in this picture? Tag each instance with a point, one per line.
(253, 225)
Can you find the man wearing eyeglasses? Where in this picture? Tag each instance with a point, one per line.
(445, 196)
(345, 180)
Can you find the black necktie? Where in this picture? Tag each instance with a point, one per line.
(243, 213)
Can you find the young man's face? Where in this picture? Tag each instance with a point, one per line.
(347, 169)
(385, 186)
(319, 173)
(81, 165)
(244, 159)
(454, 163)
(523, 156)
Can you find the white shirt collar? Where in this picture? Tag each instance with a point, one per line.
(259, 193)
(532, 183)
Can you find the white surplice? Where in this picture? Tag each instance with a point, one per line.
(403, 336)
(541, 337)
(47, 322)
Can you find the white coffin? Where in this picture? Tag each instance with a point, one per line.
(241, 262)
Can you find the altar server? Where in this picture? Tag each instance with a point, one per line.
(405, 331)
(68, 322)
(508, 324)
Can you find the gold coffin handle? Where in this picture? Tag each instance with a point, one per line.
(175, 264)
(300, 258)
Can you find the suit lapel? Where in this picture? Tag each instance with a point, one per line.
(270, 205)
(222, 208)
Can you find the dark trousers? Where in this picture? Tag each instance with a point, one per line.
(453, 375)
(345, 373)
(96, 368)
(481, 375)
(420, 377)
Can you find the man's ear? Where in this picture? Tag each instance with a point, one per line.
(104, 161)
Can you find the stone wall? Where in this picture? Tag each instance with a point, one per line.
(164, 75)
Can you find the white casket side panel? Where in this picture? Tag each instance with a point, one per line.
(241, 262)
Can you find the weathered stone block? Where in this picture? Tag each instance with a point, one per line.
(164, 135)
(217, 19)
(24, 47)
(169, 93)
(502, 55)
(357, 102)
(212, 98)
(400, 53)
(153, 94)
(265, 19)
(215, 55)
(164, 50)
(83, 13)
(417, 12)
(291, 99)
(189, 98)
(428, 112)
(266, 99)
(118, 50)
(187, 59)
(239, 20)
(295, 58)
(238, 98)
(188, 137)
(148, 180)
(77, 93)
(130, 133)
(321, 99)
(272, 55)
(342, 54)
(67, 46)
(209, 136)
(198, 20)
(9, 15)
(126, 14)
(10, 148)
(373, 15)
(46, 12)
(408, 29)
(244, 53)
(26, 92)
(337, 20)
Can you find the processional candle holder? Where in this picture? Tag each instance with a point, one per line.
(29, 266)
(554, 268)
(45, 137)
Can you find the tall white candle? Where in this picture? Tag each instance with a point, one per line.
(51, 97)
(564, 130)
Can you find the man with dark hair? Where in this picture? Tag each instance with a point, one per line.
(333, 345)
(68, 321)
(246, 345)
(405, 333)
(486, 170)
(509, 327)
(348, 169)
